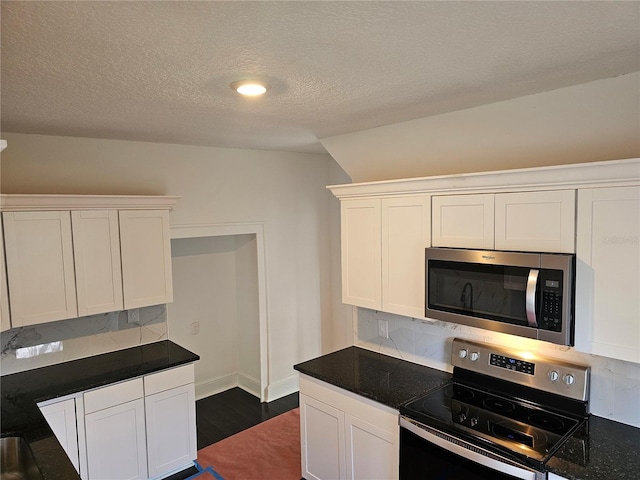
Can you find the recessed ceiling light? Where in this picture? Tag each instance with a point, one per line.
(250, 88)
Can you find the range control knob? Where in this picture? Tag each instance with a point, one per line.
(474, 421)
(459, 417)
(569, 379)
(462, 353)
(553, 375)
(474, 356)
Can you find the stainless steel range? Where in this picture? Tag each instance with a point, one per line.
(503, 416)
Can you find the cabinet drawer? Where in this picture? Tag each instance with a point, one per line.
(168, 379)
(112, 395)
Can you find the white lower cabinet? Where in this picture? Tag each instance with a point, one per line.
(61, 417)
(553, 476)
(345, 436)
(170, 410)
(372, 450)
(115, 432)
(322, 434)
(116, 442)
(144, 428)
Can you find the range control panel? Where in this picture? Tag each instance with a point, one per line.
(526, 368)
(511, 363)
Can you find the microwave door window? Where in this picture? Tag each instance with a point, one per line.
(488, 291)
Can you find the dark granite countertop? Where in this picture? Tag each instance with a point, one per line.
(609, 451)
(387, 380)
(22, 391)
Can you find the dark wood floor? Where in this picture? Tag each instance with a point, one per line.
(227, 413)
(230, 412)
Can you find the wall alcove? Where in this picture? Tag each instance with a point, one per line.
(219, 308)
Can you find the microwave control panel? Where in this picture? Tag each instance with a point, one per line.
(550, 317)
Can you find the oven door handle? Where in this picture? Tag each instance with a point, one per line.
(472, 452)
(532, 284)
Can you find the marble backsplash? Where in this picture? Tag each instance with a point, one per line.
(615, 385)
(25, 348)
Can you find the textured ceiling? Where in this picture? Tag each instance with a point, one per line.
(160, 71)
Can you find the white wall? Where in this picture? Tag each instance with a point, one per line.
(589, 122)
(286, 191)
(204, 284)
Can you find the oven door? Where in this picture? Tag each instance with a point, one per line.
(428, 454)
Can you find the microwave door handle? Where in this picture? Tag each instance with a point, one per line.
(532, 283)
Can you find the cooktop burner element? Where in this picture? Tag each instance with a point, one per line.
(499, 405)
(529, 412)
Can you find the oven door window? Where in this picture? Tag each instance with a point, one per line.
(494, 292)
(420, 459)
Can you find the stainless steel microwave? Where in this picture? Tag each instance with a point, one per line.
(525, 294)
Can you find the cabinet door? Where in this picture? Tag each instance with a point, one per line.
(608, 273)
(116, 444)
(96, 249)
(322, 439)
(171, 429)
(61, 417)
(463, 221)
(361, 253)
(372, 452)
(536, 221)
(146, 257)
(40, 267)
(5, 319)
(406, 232)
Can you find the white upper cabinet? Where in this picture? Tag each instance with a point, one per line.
(361, 253)
(76, 255)
(536, 221)
(541, 221)
(608, 273)
(40, 269)
(5, 319)
(145, 245)
(406, 232)
(463, 221)
(383, 242)
(96, 247)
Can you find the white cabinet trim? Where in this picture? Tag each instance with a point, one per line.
(24, 202)
(607, 173)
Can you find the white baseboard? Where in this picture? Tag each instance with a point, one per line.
(282, 388)
(249, 385)
(211, 387)
(276, 390)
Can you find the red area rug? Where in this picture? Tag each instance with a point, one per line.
(271, 450)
